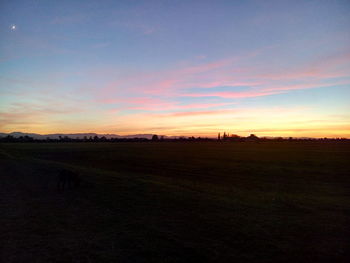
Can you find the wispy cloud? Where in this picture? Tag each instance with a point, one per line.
(35, 114)
(286, 121)
(196, 113)
(229, 72)
(234, 95)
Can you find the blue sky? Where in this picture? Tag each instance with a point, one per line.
(176, 67)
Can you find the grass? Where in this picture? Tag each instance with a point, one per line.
(176, 202)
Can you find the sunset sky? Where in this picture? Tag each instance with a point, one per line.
(273, 68)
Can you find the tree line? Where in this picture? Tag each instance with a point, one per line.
(224, 137)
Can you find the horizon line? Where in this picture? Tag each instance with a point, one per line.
(179, 136)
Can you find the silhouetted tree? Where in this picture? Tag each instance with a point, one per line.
(155, 137)
(253, 137)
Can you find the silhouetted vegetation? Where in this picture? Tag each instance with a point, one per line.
(226, 137)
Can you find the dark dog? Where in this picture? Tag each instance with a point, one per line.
(67, 178)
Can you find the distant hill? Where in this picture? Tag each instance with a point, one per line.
(76, 135)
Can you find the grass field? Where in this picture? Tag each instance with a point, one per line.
(176, 202)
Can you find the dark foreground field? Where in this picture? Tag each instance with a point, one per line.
(176, 202)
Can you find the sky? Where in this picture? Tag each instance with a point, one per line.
(191, 68)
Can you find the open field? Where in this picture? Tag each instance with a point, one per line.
(176, 202)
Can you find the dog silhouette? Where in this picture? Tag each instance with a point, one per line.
(67, 179)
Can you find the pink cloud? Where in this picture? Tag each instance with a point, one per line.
(172, 84)
(156, 104)
(235, 95)
(275, 89)
(166, 81)
(196, 113)
(23, 114)
(175, 106)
